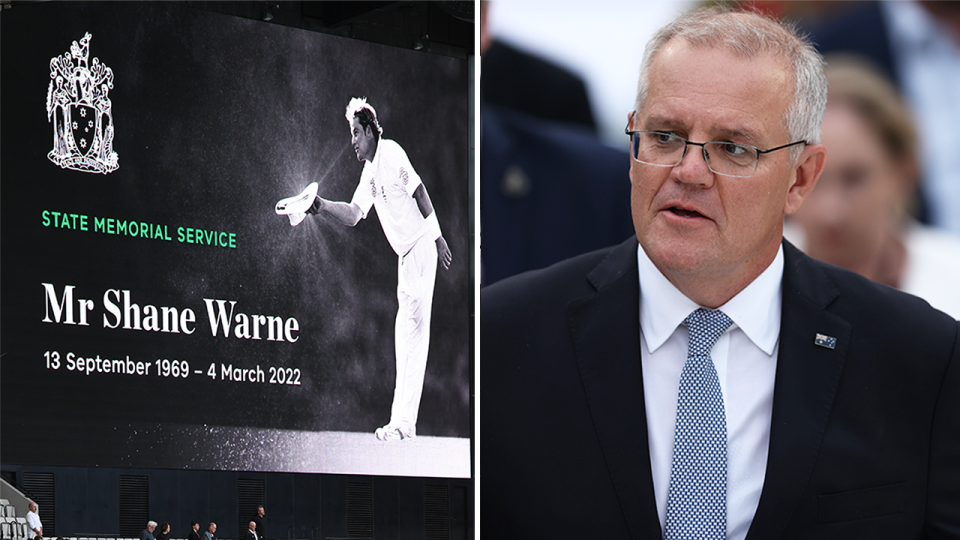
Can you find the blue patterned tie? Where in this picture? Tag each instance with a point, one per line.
(697, 501)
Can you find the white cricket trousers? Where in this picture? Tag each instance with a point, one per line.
(416, 274)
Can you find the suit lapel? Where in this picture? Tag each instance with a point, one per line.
(806, 382)
(605, 326)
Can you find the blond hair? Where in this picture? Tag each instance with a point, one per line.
(364, 112)
(859, 85)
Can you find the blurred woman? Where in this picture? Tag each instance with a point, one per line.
(858, 217)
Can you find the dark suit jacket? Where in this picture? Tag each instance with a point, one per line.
(194, 535)
(861, 30)
(250, 536)
(547, 192)
(864, 441)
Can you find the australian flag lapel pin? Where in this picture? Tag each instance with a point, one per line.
(825, 341)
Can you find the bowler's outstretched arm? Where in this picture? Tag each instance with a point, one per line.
(347, 213)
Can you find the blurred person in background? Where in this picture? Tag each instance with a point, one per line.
(258, 519)
(147, 534)
(211, 532)
(593, 40)
(858, 217)
(251, 533)
(917, 45)
(549, 189)
(547, 192)
(527, 83)
(194, 528)
(164, 533)
(33, 521)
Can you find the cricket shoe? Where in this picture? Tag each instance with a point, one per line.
(296, 207)
(391, 433)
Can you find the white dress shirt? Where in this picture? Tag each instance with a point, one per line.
(33, 521)
(745, 357)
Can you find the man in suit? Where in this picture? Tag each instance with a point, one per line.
(194, 531)
(251, 533)
(211, 532)
(832, 401)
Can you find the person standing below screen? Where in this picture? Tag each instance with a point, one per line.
(705, 379)
(211, 532)
(259, 520)
(251, 533)
(147, 534)
(194, 528)
(164, 533)
(33, 521)
(391, 185)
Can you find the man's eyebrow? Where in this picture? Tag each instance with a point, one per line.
(739, 133)
(661, 123)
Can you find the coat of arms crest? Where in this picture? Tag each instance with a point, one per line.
(79, 107)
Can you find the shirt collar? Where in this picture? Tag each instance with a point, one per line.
(663, 307)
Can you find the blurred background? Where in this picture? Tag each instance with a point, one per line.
(602, 42)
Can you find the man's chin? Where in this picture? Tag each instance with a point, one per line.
(679, 256)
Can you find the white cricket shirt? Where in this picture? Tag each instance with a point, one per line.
(388, 183)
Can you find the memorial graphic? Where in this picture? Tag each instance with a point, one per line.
(162, 314)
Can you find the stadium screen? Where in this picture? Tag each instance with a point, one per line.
(159, 309)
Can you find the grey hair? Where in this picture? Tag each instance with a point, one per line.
(748, 35)
(151, 524)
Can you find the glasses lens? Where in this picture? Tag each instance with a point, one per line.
(731, 159)
(658, 148)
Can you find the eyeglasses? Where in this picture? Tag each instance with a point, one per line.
(665, 149)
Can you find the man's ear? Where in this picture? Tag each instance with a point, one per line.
(808, 171)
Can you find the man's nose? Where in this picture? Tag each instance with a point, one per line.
(693, 168)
